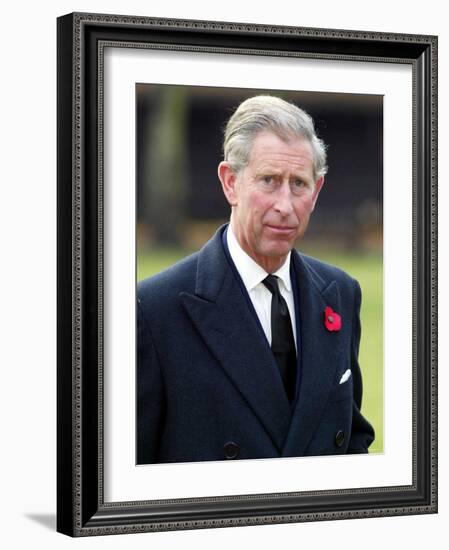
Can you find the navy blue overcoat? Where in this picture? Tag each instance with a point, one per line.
(208, 387)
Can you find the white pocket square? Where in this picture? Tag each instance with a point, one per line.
(345, 376)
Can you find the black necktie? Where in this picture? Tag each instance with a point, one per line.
(282, 341)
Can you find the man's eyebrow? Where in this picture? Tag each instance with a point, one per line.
(268, 172)
(271, 171)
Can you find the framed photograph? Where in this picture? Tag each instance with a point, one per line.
(172, 417)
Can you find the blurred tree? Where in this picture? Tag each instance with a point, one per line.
(166, 165)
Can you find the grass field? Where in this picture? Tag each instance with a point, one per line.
(367, 269)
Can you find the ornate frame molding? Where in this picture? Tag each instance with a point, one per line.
(81, 41)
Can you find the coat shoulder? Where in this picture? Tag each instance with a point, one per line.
(166, 285)
(325, 273)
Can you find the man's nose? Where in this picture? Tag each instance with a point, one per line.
(284, 197)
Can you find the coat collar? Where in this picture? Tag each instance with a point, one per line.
(221, 314)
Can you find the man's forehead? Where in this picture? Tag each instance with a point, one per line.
(269, 148)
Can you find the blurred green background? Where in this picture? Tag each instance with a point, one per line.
(180, 203)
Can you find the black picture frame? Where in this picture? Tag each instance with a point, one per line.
(81, 509)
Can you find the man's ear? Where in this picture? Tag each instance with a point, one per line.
(228, 180)
(318, 186)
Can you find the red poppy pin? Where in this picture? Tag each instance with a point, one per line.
(332, 321)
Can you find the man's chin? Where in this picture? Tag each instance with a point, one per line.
(279, 249)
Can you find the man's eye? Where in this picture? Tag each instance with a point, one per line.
(268, 181)
(299, 183)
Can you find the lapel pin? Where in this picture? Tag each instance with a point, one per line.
(332, 321)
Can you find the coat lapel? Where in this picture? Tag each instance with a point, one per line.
(223, 318)
(319, 354)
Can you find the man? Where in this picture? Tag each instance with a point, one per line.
(248, 349)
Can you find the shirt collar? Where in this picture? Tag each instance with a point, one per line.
(251, 272)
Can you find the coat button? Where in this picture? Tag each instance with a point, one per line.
(339, 438)
(231, 450)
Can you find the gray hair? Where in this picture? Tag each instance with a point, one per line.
(269, 113)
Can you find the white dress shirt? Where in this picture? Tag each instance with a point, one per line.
(252, 276)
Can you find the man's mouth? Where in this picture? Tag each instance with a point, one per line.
(281, 229)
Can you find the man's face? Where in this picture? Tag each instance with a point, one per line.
(272, 197)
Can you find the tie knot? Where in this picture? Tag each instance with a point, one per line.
(271, 282)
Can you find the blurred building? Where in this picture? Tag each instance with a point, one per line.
(179, 145)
